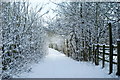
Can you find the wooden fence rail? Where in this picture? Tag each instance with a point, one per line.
(99, 52)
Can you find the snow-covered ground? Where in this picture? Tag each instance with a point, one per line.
(57, 65)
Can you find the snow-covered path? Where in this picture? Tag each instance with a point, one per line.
(57, 65)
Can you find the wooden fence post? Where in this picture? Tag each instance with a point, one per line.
(93, 53)
(51, 46)
(63, 50)
(89, 53)
(118, 58)
(103, 61)
(67, 47)
(111, 49)
(97, 55)
(56, 47)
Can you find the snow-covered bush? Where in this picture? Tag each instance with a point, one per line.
(23, 37)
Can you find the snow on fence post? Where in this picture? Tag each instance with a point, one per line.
(111, 49)
(103, 61)
(118, 58)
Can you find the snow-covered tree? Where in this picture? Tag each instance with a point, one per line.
(23, 37)
(85, 23)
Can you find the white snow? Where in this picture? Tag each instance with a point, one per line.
(57, 65)
(118, 39)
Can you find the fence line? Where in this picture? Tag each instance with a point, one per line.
(100, 51)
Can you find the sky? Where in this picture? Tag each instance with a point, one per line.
(45, 0)
(49, 5)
